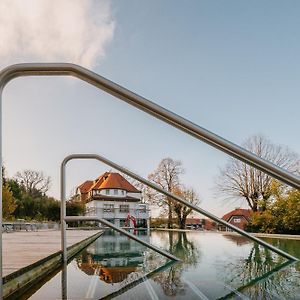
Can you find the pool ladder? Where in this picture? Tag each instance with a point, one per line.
(66, 69)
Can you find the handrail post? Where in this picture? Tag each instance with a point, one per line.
(65, 218)
(1, 187)
(67, 69)
(63, 224)
(178, 199)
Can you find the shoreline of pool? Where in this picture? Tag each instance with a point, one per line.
(267, 235)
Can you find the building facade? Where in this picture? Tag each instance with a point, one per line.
(239, 217)
(114, 199)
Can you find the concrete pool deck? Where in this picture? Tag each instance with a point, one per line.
(22, 248)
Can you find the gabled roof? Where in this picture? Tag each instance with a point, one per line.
(86, 186)
(108, 180)
(246, 213)
(192, 221)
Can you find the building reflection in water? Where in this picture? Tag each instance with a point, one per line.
(114, 257)
(254, 272)
(262, 274)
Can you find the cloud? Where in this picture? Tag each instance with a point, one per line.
(76, 31)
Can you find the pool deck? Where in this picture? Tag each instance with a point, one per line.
(22, 248)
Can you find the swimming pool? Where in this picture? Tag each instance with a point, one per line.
(213, 266)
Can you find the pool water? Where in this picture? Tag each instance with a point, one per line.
(213, 266)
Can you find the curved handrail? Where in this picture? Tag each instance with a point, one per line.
(61, 69)
(66, 69)
(158, 189)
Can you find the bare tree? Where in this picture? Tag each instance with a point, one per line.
(166, 176)
(182, 211)
(238, 180)
(33, 182)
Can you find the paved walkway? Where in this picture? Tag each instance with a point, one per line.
(23, 248)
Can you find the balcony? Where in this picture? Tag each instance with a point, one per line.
(120, 213)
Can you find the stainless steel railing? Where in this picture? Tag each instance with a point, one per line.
(160, 190)
(64, 219)
(65, 69)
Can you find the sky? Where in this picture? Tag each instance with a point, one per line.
(231, 67)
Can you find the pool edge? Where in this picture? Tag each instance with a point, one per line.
(23, 279)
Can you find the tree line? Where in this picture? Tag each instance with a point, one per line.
(25, 197)
(275, 206)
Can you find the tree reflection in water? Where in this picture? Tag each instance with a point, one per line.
(170, 280)
(121, 264)
(260, 276)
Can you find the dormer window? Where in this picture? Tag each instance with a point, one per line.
(107, 192)
(115, 192)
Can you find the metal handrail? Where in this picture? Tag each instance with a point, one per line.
(116, 228)
(66, 69)
(64, 219)
(160, 190)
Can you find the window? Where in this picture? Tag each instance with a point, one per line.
(125, 246)
(107, 192)
(109, 246)
(142, 208)
(142, 223)
(122, 222)
(124, 208)
(108, 207)
(236, 220)
(115, 192)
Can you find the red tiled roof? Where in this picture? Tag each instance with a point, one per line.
(86, 186)
(192, 221)
(108, 180)
(246, 213)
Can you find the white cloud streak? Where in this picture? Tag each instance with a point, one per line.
(76, 31)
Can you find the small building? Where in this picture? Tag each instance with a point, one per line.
(208, 224)
(113, 198)
(239, 217)
(193, 223)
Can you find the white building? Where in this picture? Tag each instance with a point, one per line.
(113, 198)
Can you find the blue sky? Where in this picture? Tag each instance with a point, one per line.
(229, 66)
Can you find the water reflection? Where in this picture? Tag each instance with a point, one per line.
(237, 239)
(263, 274)
(171, 280)
(114, 257)
(213, 266)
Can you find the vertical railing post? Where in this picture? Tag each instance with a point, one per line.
(63, 213)
(1, 186)
(64, 281)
